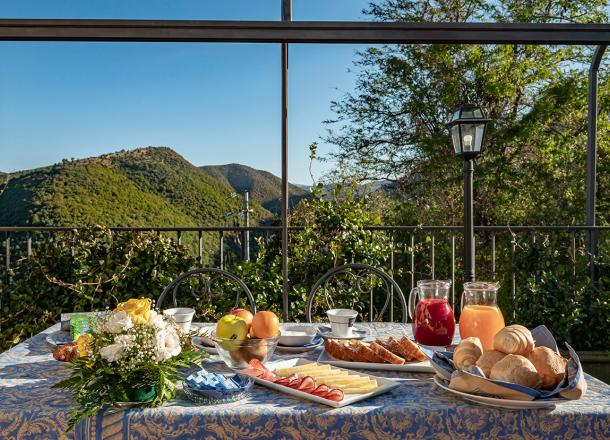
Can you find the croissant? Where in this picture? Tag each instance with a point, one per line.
(514, 339)
(467, 352)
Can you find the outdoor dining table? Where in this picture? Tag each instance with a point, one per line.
(31, 408)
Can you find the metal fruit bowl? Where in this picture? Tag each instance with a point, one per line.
(237, 354)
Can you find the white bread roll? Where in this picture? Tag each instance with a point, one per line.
(516, 369)
(467, 352)
(551, 367)
(514, 339)
(489, 359)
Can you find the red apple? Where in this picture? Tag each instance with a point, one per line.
(244, 314)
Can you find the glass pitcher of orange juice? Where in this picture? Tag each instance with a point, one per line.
(481, 316)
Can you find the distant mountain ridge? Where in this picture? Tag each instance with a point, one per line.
(151, 186)
(263, 186)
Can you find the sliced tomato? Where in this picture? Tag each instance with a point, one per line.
(296, 383)
(286, 380)
(308, 384)
(335, 395)
(252, 372)
(255, 363)
(321, 390)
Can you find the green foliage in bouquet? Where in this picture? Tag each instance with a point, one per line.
(84, 270)
(133, 354)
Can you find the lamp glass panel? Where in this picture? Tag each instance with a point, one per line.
(456, 115)
(480, 131)
(455, 138)
(469, 137)
(468, 113)
(478, 113)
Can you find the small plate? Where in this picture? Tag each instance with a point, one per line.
(317, 342)
(500, 403)
(201, 344)
(59, 338)
(327, 333)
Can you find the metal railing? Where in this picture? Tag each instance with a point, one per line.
(416, 252)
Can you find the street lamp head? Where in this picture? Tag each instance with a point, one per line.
(467, 127)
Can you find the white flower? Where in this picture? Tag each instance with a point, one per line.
(125, 340)
(168, 344)
(118, 322)
(112, 352)
(156, 321)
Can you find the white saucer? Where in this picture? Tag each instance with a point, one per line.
(200, 344)
(327, 333)
(317, 342)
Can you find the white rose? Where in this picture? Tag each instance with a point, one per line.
(112, 352)
(168, 344)
(118, 322)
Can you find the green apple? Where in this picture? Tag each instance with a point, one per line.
(232, 327)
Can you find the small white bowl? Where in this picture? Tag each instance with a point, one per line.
(296, 335)
(182, 317)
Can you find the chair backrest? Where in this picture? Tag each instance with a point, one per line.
(353, 282)
(207, 284)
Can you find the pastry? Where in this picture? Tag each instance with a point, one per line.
(514, 339)
(550, 366)
(386, 354)
(468, 351)
(517, 369)
(488, 360)
(66, 353)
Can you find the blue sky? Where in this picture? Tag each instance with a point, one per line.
(213, 103)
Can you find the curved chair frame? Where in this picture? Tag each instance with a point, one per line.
(214, 274)
(391, 287)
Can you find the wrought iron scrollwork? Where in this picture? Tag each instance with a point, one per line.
(207, 284)
(357, 280)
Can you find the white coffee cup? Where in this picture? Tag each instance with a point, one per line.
(182, 317)
(342, 321)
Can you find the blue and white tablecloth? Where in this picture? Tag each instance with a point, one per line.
(31, 409)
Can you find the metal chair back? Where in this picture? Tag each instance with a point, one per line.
(207, 284)
(357, 281)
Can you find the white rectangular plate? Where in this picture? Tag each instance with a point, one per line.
(385, 385)
(414, 367)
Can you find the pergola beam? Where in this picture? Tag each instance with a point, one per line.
(302, 32)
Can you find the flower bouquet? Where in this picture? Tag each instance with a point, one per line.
(131, 355)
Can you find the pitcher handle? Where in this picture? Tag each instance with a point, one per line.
(412, 301)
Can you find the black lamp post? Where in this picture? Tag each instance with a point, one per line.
(467, 128)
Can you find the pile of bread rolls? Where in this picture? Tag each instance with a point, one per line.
(513, 359)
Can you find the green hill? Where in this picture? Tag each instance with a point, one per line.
(144, 187)
(264, 187)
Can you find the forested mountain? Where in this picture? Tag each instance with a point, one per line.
(144, 187)
(263, 186)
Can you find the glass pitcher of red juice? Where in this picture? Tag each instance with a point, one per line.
(432, 317)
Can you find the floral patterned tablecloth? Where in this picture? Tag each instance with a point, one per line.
(30, 408)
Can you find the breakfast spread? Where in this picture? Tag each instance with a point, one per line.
(384, 351)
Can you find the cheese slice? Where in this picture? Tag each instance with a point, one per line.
(360, 389)
(302, 368)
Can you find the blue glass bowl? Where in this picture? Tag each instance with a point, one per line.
(215, 397)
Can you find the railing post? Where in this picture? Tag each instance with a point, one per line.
(591, 178)
(286, 16)
(200, 248)
(222, 250)
(245, 247)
